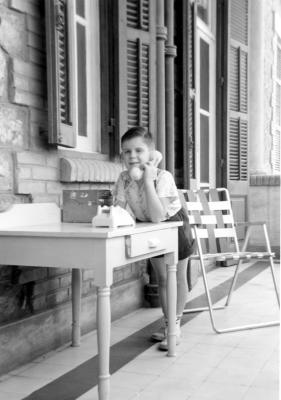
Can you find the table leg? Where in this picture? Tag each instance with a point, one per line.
(172, 308)
(76, 306)
(103, 333)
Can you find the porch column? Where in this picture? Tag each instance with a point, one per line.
(171, 52)
(256, 88)
(161, 36)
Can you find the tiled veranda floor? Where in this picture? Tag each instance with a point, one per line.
(234, 366)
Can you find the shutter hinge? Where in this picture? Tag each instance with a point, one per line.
(221, 162)
(111, 125)
(192, 93)
(222, 80)
(60, 18)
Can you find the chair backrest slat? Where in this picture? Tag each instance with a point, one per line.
(216, 196)
(206, 209)
(193, 199)
(210, 219)
(219, 205)
(194, 206)
(203, 233)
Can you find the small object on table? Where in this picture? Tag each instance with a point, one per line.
(112, 217)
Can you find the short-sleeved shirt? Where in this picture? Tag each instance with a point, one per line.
(132, 194)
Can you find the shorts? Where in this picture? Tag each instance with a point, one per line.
(185, 241)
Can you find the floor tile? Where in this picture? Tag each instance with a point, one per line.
(255, 393)
(219, 391)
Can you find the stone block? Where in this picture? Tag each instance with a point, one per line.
(27, 69)
(25, 6)
(30, 187)
(38, 116)
(65, 281)
(46, 286)
(13, 126)
(58, 297)
(37, 57)
(35, 41)
(54, 187)
(24, 173)
(28, 157)
(32, 86)
(9, 302)
(57, 271)
(45, 173)
(13, 35)
(6, 171)
(52, 160)
(34, 25)
(32, 274)
(46, 198)
(26, 98)
(264, 205)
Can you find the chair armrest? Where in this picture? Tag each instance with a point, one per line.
(250, 223)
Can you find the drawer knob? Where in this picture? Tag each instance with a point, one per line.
(152, 243)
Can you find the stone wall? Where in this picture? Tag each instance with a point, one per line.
(264, 205)
(29, 168)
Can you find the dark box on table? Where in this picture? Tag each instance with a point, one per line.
(81, 205)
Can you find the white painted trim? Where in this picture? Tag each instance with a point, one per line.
(208, 38)
(91, 142)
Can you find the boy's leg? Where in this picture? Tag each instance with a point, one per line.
(161, 276)
(182, 287)
(182, 291)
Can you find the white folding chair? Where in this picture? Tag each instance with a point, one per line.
(211, 219)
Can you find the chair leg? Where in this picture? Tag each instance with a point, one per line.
(233, 283)
(274, 279)
(211, 308)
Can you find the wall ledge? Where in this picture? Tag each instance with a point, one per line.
(265, 180)
(88, 170)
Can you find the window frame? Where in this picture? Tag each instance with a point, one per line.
(91, 142)
(275, 127)
(62, 62)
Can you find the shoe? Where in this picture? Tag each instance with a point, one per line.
(164, 344)
(162, 333)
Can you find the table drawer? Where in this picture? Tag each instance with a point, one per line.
(149, 242)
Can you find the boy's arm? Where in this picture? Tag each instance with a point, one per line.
(155, 208)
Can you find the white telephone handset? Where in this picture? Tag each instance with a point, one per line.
(136, 173)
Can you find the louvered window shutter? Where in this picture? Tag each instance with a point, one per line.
(191, 87)
(237, 88)
(137, 60)
(61, 127)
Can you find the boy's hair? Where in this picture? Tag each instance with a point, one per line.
(138, 131)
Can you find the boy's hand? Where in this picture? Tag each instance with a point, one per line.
(156, 157)
(149, 171)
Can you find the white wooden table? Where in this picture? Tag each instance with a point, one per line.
(32, 235)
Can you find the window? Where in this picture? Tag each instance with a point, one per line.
(101, 71)
(73, 56)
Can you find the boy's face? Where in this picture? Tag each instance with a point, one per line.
(135, 152)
